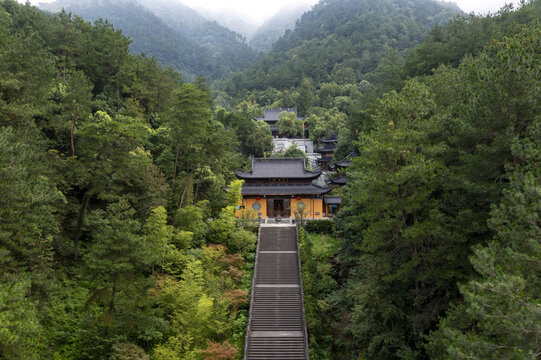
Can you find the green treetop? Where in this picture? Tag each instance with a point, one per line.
(289, 125)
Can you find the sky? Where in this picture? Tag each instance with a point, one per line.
(254, 11)
(258, 11)
(483, 6)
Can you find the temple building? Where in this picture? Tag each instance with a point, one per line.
(271, 117)
(275, 187)
(326, 150)
(341, 169)
(282, 142)
(332, 205)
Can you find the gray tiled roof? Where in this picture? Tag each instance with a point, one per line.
(333, 200)
(345, 162)
(333, 138)
(272, 114)
(284, 189)
(341, 180)
(278, 168)
(327, 148)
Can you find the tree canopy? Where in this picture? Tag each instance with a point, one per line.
(118, 234)
(112, 201)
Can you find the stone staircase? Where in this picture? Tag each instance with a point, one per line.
(276, 328)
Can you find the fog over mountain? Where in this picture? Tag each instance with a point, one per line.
(206, 37)
(253, 12)
(231, 19)
(276, 26)
(476, 6)
(175, 34)
(342, 39)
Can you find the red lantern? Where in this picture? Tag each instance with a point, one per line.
(258, 198)
(298, 197)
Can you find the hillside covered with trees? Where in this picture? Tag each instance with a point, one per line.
(176, 35)
(118, 235)
(273, 28)
(341, 40)
(117, 239)
(438, 254)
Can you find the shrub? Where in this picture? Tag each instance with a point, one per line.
(241, 241)
(320, 226)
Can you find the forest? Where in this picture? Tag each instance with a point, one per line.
(177, 36)
(117, 239)
(118, 235)
(339, 41)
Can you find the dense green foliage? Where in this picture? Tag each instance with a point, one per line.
(500, 318)
(254, 137)
(466, 35)
(273, 28)
(318, 280)
(341, 41)
(117, 240)
(289, 125)
(326, 227)
(420, 195)
(439, 231)
(176, 35)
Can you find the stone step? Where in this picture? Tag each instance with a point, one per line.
(276, 323)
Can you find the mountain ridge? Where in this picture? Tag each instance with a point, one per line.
(272, 29)
(341, 38)
(190, 44)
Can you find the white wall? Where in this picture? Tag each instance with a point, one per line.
(306, 145)
(282, 144)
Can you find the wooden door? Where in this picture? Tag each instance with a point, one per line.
(287, 208)
(270, 208)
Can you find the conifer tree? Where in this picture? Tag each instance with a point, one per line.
(499, 317)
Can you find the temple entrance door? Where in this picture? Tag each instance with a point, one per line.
(287, 208)
(270, 208)
(279, 207)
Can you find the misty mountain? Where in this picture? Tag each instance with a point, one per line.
(231, 20)
(450, 4)
(175, 34)
(342, 40)
(276, 26)
(225, 46)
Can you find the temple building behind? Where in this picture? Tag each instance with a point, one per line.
(340, 169)
(282, 142)
(271, 117)
(326, 151)
(275, 187)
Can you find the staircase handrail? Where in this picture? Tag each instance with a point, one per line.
(248, 328)
(302, 292)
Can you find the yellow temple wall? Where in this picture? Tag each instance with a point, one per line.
(314, 207)
(247, 203)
